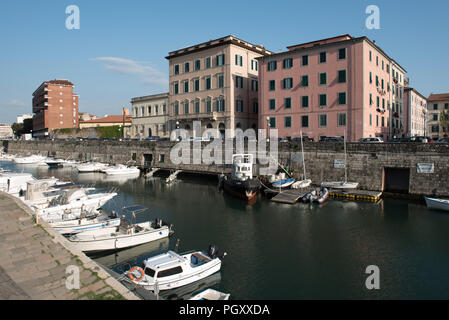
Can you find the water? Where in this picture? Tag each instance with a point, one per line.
(288, 252)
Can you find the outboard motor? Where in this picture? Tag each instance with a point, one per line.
(212, 252)
(156, 223)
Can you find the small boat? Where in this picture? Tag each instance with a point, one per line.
(172, 270)
(172, 177)
(284, 183)
(302, 184)
(438, 204)
(340, 185)
(319, 197)
(91, 167)
(91, 222)
(241, 182)
(55, 164)
(29, 160)
(211, 294)
(121, 170)
(125, 236)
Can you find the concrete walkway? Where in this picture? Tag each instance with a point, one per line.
(34, 259)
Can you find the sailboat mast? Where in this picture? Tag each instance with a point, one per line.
(303, 163)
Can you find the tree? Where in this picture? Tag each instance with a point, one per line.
(444, 121)
(17, 128)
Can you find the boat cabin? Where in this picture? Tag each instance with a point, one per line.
(242, 166)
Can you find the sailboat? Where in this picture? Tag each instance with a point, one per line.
(301, 184)
(341, 184)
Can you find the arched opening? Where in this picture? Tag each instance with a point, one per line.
(209, 126)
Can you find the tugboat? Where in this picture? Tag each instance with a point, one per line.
(241, 182)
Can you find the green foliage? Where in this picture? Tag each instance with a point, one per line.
(17, 128)
(110, 132)
(444, 121)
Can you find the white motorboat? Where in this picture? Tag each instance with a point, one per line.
(72, 203)
(121, 170)
(125, 236)
(29, 160)
(83, 224)
(15, 183)
(172, 270)
(211, 294)
(172, 177)
(284, 183)
(302, 184)
(438, 204)
(91, 167)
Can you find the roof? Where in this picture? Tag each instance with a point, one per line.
(416, 91)
(438, 97)
(150, 97)
(109, 119)
(55, 82)
(164, 260)
(230, 39)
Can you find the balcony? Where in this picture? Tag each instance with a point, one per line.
(194, 116)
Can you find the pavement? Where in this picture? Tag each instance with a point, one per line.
(36, 262)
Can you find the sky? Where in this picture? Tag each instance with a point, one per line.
(119, 51)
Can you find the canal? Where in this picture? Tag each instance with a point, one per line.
(277, 251)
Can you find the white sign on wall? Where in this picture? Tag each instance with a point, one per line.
(339, 163)
(425, 168)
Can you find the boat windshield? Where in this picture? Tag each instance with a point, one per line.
(148, 271)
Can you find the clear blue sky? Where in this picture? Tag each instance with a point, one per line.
(119, 51)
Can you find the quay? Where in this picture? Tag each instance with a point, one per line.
(34, 260)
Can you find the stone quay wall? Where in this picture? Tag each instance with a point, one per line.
(419, 168)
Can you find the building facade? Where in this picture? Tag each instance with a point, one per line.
(150, 116)
(23, 117)
(5, 130)
(123, 120)
(55, 106)
(437, 106)
(331, 87)
(415, 109)
(215, 82)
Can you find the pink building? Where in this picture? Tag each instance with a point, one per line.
(415, 109)
(327, 87)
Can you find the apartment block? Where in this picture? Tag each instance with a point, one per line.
(150, 116)
(215, 82)
(415, 105)
(55, 106)
(437, 104)
(331, 87)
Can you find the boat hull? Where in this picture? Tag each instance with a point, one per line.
(246, 190)
(76, 227)
(340, 185)
(437, 204)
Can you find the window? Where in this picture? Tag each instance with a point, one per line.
(220, 105)
(322, 78)
(239, 105)
(186, 67)
(435, 106)
(288, 103)
(207, 63)
(176, 108)
(149, 110)
(186, 107)
(176, 69)
(197, 84)
(254, 85)
(288, 63)
(197, 106)
(342, 54)
(377, 60)
(370, 77)
(169, 272)
(238, 82)
(220, 81)
(255, 107)
(186, 86)
(176, 88)
(370, 56)
(305, 101)
(383, 121)
(208, 105)
(287, 83)
(288, 122)
(370, 99)
(272, 104)
(378, 102)
(435, 128)
(197, 65)
(342, 119)
(238, 60)
(322, 57)
(208, 83)
(305, 121)
(322, 120)
(254, 65)
(382, 83)
(272, 85)
(435, 117)
(388, 68)
(305, 81)
(323, 100)
(305, 60)
(342, 98)
(272, 65)
(272, 122)
(341, 76)
(220, 60)
(377, 81)
(446, 106)
(370, 119)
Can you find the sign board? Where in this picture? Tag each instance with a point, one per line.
(425, 167)
(339, 163)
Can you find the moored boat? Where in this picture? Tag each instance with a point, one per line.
(284, 183)
(211, 294)
(241, 182)
(437, 204)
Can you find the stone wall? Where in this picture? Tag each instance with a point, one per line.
(366, 162)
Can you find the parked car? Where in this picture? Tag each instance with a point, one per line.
(304, 139)
(372, 140)
(443, 140)
(152, 138)
(331, 139)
